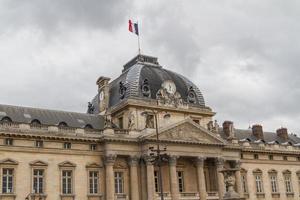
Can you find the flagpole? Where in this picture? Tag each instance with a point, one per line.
(139, 45)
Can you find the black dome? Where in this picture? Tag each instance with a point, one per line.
(143, 73)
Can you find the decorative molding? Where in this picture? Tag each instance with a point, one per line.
(200, 161)
(93, 165)
(8, 161)
(220, 162)
(173, 160)
(133, 160)
(110, 159)
(66, 164)
(38, 163)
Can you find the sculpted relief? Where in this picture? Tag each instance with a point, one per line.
(168, 95)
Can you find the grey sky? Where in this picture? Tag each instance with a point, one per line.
(243, 55)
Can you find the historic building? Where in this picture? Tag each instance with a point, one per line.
(107, 153)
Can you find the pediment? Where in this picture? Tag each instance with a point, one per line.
(93, 165)
(38, 163)
(67, 164)
(8, 161)
(187, 131)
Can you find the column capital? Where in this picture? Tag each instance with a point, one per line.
(110, 159)
(133, 160)
(200, 161)
(220, 162)
(148, 159)
(237, 164)
(173, 160)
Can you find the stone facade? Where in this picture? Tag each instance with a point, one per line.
(114, 162)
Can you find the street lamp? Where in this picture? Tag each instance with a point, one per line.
(158, 158)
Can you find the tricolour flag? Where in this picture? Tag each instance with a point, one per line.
(133, 27)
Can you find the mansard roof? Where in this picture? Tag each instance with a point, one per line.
(143, 69)
(269, 137)
(50, 117)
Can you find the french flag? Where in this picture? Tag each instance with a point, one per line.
(133, 27)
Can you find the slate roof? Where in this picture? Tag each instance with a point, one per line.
(269, 137)
(136, 71)
(50, 117)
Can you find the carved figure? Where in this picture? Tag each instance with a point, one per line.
(131, 119)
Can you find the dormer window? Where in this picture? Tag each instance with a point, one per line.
(88, 126)
(62, 125)
(6, 120)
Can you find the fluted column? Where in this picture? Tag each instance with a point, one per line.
(134, 183)
(150, 179)
(109, 174)
(238, 177)
(173, 178)
(201, 177)
(221, 186)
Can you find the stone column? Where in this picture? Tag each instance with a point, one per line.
(238, 177)
(150, 179)
(201, 178)
(173, 178)
(143, 179)
(109, 176)
(134, 183)
(221, 186)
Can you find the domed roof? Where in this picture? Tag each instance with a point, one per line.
(143, 78)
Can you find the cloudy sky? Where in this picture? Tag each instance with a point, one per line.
(243, 55)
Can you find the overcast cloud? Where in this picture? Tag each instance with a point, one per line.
(243, 55)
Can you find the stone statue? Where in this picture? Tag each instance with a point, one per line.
(229, 180)
(131, 121)
(107, 122)
(91, 108)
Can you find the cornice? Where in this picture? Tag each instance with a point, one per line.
(152, 104)
(273, 151)
(50, 136)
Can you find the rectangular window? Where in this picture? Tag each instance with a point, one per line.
(270, 157)
(180, 181)
(67, 182)
(244, 182)
(255, 156)
(93, 147)
(258, 183)
(8, 141)
(93, 182)
(67, 145)
(285, 158)
(39, 143)
(288, 183)
(38, 181)
(156, 181)
(119, 183)
(274, 184)
(7, 180)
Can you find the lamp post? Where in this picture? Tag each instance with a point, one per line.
(156, 154)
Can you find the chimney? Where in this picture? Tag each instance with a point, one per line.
(103, 90)
(257, 131)
(282, 133)
(228, 129)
